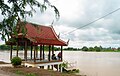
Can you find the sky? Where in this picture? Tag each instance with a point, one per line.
(77, 13)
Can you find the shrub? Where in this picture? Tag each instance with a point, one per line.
(64, 65)
(16, 61)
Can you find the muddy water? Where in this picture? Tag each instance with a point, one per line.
(89, 63)
(95, 64)
(4, 56)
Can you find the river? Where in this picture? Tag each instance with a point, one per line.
(89, 63)
(95, 63)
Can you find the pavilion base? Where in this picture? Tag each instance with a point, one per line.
(49, 64)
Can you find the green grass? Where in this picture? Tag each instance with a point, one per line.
(22, 73)
(19, 72)
(30, 74)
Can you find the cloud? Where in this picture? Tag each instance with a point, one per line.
(76, 13)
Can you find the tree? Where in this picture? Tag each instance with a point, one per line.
(14, 10)
(4, 47)
(97, 49)
(84, 48)
(118, 48)
(91, 49)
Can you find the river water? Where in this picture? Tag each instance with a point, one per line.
(95, 63)
(89, 63)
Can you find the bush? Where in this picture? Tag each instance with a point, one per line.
(16, 61)
(64, 65)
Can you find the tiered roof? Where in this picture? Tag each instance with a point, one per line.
(39, 34)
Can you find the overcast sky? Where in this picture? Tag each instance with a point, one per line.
(76, 13)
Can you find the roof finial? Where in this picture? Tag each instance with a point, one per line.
(59, 35)
(52, 23)
(68, 41)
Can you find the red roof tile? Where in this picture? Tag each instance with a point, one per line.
(39, 34)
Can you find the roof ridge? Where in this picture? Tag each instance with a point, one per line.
(37, 24)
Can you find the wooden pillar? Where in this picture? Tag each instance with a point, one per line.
(48, 67)
(52, 66)
(49, 53)
(43, 53)
(31, 51)
(52, 49)
(61, 53)
(11, 47)
(52, 54)
(25, 51)
(17, 49)
(40, 52)
(49, 56)
(36, 51)
(58, 67)
(34, 55)
(61, 69)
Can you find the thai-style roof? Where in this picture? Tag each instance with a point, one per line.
(39, 34)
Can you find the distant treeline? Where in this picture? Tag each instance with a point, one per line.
(84, 48)
(72, 49)
(7, 47)
(94, 49)
(100, 49)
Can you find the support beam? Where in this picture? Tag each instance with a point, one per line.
(34, 54)
(48, 67)
(25, 51)
(52, 49)
(40, 52)
(31, 51)
(17, 49)
(11, 47)
(49, 53)
(61, 53)
(61, 68)
(36, 47)
(52, 66)
(43, 53)
(58, 67)
(52, 52)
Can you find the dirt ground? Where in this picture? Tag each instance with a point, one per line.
(36, 71)
(25, 71)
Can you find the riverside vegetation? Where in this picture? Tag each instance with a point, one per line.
(84, 48)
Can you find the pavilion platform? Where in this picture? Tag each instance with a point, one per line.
(43, 63)
(36, 38)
